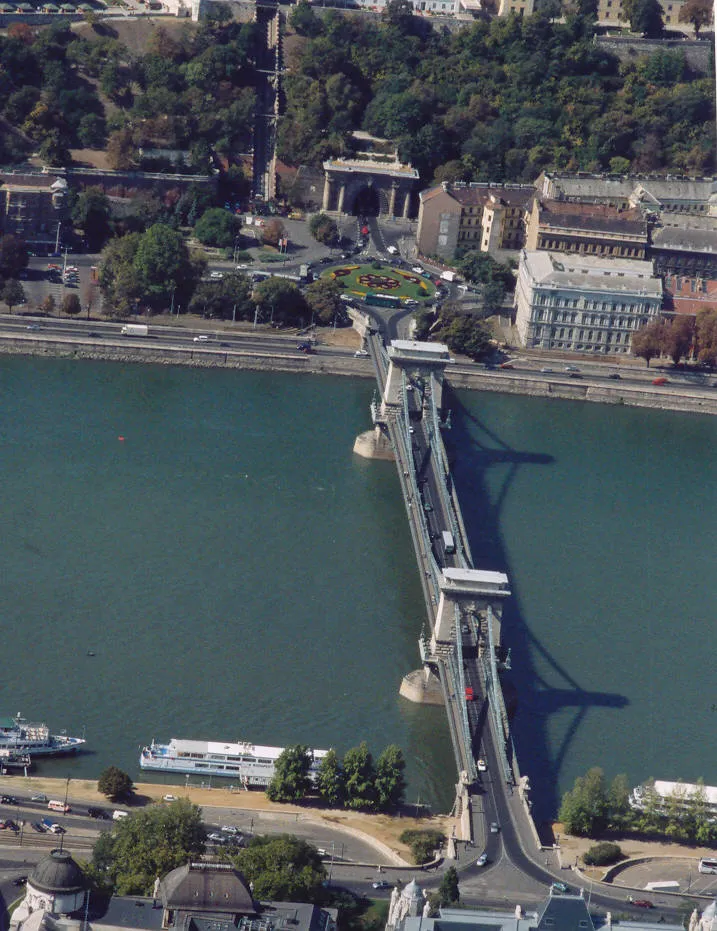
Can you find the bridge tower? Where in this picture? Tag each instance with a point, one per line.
(471, 590)
(414, 359)
(408, 360)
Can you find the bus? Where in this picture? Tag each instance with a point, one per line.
(708, 865)
(382, 300)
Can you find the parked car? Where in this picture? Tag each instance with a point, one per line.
(36, 826)
(169, 798)
(217, 838)
(217, 276)
(230, 829)
(8, 800)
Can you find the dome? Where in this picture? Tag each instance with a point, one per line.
(57, 874)
(207, 886)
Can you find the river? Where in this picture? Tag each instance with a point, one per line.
(239, 574)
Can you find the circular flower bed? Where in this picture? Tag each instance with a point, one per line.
(382, 282)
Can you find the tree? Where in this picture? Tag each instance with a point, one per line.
(162, 265)
(706, 335)
(91, 213)
(303, 19)
(12, 293)
(330, 780)
(148, 844)
(113, 782)
(360, 778)
(697, 12)
(282, 869)
(584, 808)
(324, 300)
(280, 300)
(273, 232)
(217, 227)
(228, 299)
(121, 150)
(448, 893)
(71, 305)
(647, 342)
(602, 854)
(423, 844)
(13, 256)
(48, 305)
(291, 781)
(677, 338)
(390, 781)
(618, 800)
(645, 17)
(323, 229)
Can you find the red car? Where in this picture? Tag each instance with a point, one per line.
(643, 903)
(659, 381)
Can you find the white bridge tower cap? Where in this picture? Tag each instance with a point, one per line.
(475, 582)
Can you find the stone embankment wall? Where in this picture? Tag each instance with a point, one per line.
(315, 364)
(629, 49)
(661, 399)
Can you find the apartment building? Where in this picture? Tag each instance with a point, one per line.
(583, 303)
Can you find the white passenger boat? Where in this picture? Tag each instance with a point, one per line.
(250, 764)
(19, 737)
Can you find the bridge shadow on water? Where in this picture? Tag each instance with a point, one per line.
(476, 451)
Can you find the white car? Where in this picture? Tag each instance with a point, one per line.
(230, 829)
(360, 353)
(482, 859)
(482, 768)
(200, 339)
(417, 269)
(217, 276)
(217, 838)
(169, 798)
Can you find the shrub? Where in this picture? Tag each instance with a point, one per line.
(423, 844)
(602, 854)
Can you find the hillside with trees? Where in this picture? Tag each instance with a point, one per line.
(502, 100)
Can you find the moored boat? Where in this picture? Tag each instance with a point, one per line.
(248, 763)
(20, 737)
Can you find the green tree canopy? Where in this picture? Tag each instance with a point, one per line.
(323, 298)
(323, 229)
(228, 299)
(390, 781)
(448, 893)
(92, 214)
(330, 780)
(217, 227)
(114, 782)
(360, 778)
(282, 869)
(291, 781)
(645, 17)
(584, 809)
(148, 844)
(280, 300)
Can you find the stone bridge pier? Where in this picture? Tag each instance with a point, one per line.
(472, 591)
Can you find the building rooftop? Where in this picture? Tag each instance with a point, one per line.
(556, 214)
(685, 239)
(217, 887)
(479, 193)
(637, 189)
(57, 873)
(130, 912)
(560, 270)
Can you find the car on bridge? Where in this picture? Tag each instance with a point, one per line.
(482, 767)
(494, 827)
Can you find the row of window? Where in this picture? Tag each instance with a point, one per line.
(563, 304)
(547, 344)
(591, 248)
(586, 336)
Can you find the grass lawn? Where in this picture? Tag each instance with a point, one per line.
(398, 282)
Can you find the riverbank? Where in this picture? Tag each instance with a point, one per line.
(675, 398)
(383, 831)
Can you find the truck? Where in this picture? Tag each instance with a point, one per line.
(449, 544)
(448, 276)
(50, 826)
(305, 273)
(135, 329)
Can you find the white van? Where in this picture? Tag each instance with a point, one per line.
(392, 250)
(119, 815)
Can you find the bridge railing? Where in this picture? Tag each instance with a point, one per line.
(496, 703)
(460, 693)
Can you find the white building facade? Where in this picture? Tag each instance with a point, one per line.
(583, 303)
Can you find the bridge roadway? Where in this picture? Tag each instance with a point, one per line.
(493, 797)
